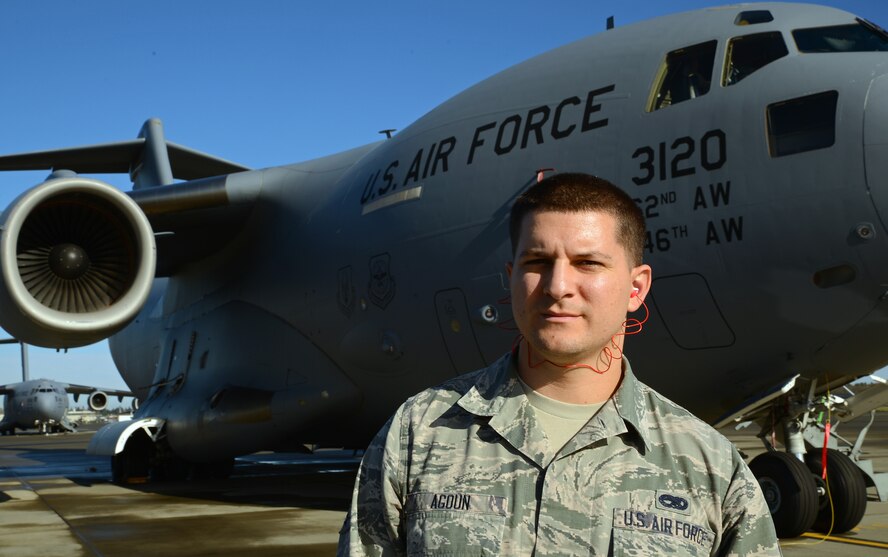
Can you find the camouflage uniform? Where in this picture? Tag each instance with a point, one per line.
(460, 470)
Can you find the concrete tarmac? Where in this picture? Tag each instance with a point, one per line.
(57, 500)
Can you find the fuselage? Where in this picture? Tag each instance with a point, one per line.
(366, 276)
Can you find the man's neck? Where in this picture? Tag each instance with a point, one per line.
(575, 385)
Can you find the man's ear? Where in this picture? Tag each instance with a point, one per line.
(641, 285)
(509, 269)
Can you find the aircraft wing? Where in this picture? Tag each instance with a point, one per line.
(87, 389)
(6, 389)
(102, 394)
(120, 157)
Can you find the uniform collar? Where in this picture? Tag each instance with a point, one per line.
(497, 394)
(493, 389)
(622, 415)
(629, 402)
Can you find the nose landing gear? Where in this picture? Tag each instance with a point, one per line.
(789, 490)
(798, 495)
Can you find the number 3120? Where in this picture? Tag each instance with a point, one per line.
(679, 159)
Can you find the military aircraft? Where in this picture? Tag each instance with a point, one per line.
(270, 309)
(42, 404)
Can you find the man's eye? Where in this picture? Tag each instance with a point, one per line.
(588, 263)
(537, 262)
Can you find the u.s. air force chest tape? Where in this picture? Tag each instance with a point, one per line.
(449, 523)
(653, 522)
(661, 526)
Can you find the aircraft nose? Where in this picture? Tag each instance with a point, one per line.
(46, 404)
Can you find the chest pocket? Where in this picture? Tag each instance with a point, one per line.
(656, 533)
(454, 524)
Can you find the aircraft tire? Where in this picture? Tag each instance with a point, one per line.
(789, 490)
(846, 487)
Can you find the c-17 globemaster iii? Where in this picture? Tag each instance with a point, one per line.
(42, 404)
(300, 304)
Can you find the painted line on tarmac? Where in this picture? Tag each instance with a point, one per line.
(852, 541)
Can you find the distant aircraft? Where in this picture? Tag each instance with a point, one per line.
(42, 404)
(268, 309)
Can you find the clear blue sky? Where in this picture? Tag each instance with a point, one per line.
(261, 83)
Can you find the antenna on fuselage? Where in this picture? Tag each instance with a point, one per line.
(610, 22)
(388, 132)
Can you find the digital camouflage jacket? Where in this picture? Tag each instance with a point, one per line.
(459, 470)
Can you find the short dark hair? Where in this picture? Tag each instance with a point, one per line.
(576, 192)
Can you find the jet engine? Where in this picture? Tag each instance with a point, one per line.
(97, 401)
(77, 260)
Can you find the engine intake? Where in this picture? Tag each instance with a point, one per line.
(97, 401)
(77, 258)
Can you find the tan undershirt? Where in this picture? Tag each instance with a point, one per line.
(560, 420)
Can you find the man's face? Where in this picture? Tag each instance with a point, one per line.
(572, 284)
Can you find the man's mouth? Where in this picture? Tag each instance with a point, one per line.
(559, 316)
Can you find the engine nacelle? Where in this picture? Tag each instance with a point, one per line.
(77, 259)
(97, 401)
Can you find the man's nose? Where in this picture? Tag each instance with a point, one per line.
(557, 283)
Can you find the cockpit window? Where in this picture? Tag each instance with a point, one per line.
(802, 124)
(856, 37)
(749, 53)
(685, 74)
(753, 17)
